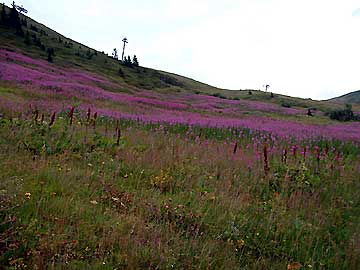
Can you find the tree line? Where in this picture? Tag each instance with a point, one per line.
(13, 20)
(127, 59)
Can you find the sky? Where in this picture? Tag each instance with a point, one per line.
(302, 48)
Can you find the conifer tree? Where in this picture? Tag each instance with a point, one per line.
(14, 20)
(127, 61)
(121, 73)
(115, 54)
(4, 16)
(135, 61)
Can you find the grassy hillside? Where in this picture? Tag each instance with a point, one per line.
(351, 98)
(69, 53)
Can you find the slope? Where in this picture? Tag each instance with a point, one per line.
(69, 53)
(353, 98)
(84, 77)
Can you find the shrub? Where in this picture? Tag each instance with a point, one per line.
(219, 95)
(51, 53)
(135, 61)
(285, 104)
(127, 62)
(344, 115)
(121, 73)
(169, 80)
(89, 55)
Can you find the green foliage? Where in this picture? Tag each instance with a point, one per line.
(219, 95)
(89, 54)
(135, 61)
(121, 73)
(37, 42)
(344, 115)
(285, 104)
(168, 80)
(127, 62)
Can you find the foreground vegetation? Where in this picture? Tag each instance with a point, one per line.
(85, 192)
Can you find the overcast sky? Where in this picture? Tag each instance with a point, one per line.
(304, 48)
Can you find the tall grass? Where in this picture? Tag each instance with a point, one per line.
(171, 197)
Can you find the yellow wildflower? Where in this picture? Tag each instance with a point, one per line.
(240, 243)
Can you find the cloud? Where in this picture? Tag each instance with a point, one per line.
(356, 13)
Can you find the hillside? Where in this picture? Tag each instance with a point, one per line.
(352, 98)
(70, 53)
(106, 166)
(81, 77)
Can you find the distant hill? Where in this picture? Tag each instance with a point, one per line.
(353, 98)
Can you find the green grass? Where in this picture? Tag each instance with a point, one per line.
(157, 202)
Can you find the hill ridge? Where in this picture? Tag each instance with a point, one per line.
(352, 97)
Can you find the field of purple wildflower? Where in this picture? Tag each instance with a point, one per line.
(50, 88)
(99, 174)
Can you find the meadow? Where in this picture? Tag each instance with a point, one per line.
(97, 173)
(51, 88)
(80, 192)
